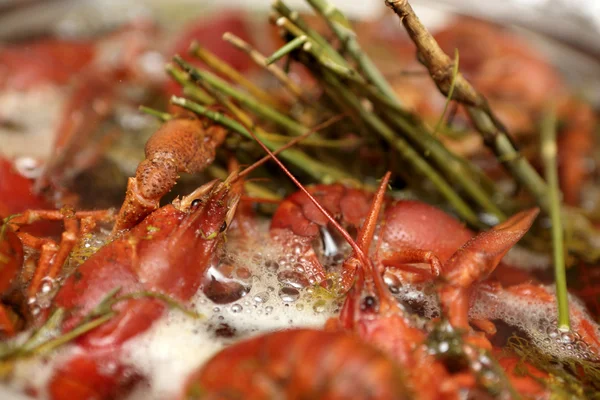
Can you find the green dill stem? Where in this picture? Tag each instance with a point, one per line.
(247, 121)
(170, 302)
(450, 93)
(286, 49)
(518, 166)
(246, 100)
(163, 116)
(192, 90)
(341, 27)
(549, 150)
(221, 67)
(406, 151)
(298, 21)
(321, 53)
(104, 306)
(71, 335)
(251, 188)
(486, 123)
(322, 172)
(453, 166)
(192, 93)
(455, 169)
(38, 338)
(430, 144)
(274, 70)
(316, 142)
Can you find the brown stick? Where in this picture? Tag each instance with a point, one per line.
(495, 136)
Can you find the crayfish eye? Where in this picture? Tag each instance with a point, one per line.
(369, 303)
(196, 203)
(223, 227)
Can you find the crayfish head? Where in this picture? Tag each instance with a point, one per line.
(210, 208)
(194, 244)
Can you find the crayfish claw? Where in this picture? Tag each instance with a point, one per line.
(477, 258)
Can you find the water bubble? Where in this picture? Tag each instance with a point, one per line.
(297, 249)
(293, 279)
(46, 288)
(109, 368)
(552, 332)
(288, 294)
(443, 347)
(271, 266)
(261, 297)
(567, 337)
(268, 310)
(393, 283)
(236, 308)
(243, 273)
(319, 306)
(225, 291)
(225, 331)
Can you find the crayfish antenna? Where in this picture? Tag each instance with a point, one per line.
(367, 232)
(355, 247)
(291, 143)
(364, 239)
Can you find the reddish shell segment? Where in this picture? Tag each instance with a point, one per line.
(408, 223)
(524, 377)
(209, 33)
(417, 225)
(490, 56)
(88, 376)
(149, 257)
(11, 258)
(16, 196)
(282, 365)
(182, 144)
(16, 191)
(298, 214)
(168, 253)
(44, 61)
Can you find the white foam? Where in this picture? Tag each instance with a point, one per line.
(538, 319)
(168, 353)
(35, 373)
(176, 345)
(274, 296)
(533, 316)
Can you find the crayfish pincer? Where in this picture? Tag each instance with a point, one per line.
(182, 144)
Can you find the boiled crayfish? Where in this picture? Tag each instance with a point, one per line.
(262, 368)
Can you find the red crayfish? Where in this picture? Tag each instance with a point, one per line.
(263, 368)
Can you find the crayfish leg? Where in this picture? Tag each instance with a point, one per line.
(8, 321)
(52, 255)
(404, 259)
